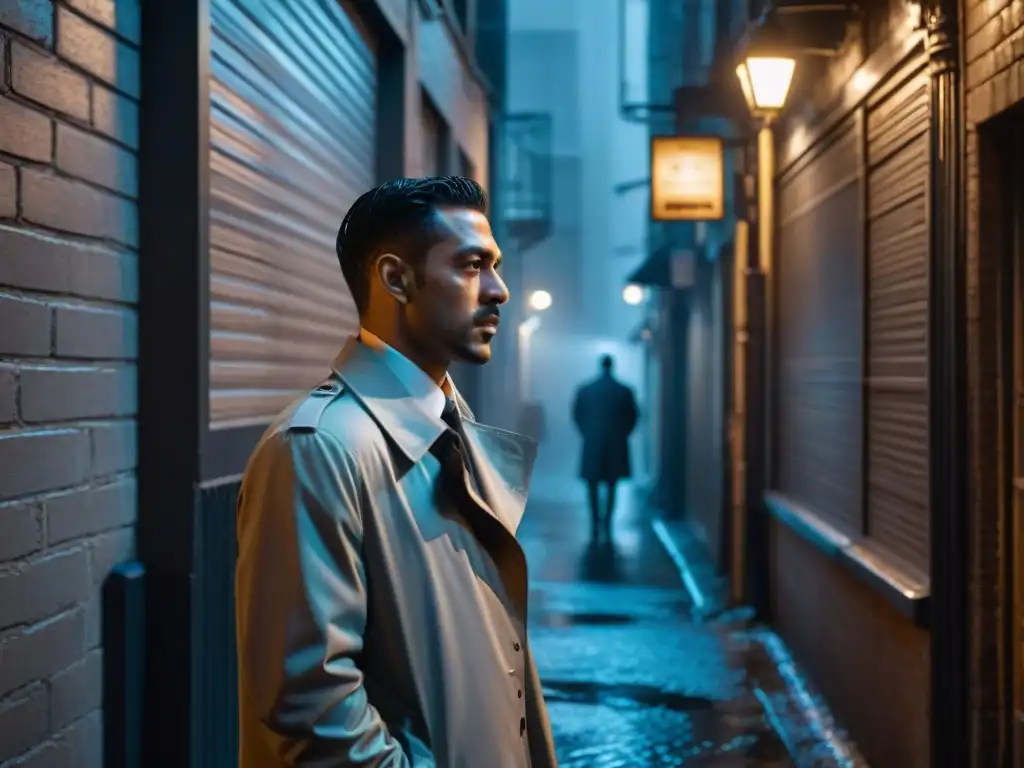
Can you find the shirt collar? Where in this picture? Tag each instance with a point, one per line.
(430, 397)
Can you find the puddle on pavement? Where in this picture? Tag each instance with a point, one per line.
(635, 726)
(596, 618)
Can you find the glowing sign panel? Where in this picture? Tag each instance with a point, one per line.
(687, 178)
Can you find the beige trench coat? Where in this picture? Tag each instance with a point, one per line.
(378, 624)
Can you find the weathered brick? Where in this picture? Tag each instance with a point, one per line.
(8, 192)
(25, 132)
(113, 447)
(98, 52)
(94, 159)
(32, 18)
(77, 690)
(8, 390)
(93, 622)
(82, 742)
(40, 588)
(32, 260)
(982, 40)
(115, 115)
(24, 326)
(88, 332)
(104, 274)
(122, 16)
(21, 530)
(65, 393)
(71, 206)
(42, 461)
(89, 511)
(47, 81)
(36, 652)
(23, 721)
(109, 550)
(41, 261)
(46, 755)
(83, 193)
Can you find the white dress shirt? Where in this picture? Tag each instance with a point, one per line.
(427, 394)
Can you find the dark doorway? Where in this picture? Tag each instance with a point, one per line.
(1005, 156)
(1016, 254)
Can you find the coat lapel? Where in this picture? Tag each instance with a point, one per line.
(503, 460)
(504, 463)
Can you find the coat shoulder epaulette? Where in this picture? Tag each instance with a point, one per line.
(311, 410)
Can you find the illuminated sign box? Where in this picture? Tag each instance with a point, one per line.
(687, 178)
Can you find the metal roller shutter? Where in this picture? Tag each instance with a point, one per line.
(897, 312)
(292, 127)
(819, 303)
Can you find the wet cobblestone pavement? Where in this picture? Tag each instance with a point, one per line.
(631, 679)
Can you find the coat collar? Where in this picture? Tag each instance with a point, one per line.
(503, 460)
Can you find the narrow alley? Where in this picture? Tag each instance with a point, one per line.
(632, 675)
(759, 262)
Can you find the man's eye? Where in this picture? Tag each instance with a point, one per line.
(475, 264)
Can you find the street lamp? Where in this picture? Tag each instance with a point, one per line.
(765, 81)
(633, 294)
(766, 68)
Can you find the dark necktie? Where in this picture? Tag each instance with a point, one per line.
(452, 447)
(450, 416)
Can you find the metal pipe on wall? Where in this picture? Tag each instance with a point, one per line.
(737, 433)
(766, 260)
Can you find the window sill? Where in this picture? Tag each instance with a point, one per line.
(910, 594)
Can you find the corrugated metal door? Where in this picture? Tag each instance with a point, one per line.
(819, 311)
(897, 312)
(293, 111)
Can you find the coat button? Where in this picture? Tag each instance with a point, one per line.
(516, 646)
(522, 725)
(519, 694)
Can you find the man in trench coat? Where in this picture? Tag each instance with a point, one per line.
(381, 591)
(605, 413)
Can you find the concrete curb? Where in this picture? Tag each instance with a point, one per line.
(799, 716)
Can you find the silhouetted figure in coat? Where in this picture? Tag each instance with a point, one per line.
(605, 413)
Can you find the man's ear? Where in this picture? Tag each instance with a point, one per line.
(396, 277)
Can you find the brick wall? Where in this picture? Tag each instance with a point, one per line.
(68, 230)
(994, 79)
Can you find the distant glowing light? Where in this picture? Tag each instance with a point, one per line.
(633, 294)
(539, 300)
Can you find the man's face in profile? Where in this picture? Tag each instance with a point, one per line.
(459, 291)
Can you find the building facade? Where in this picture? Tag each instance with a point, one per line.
(886, 385)
(69, 291)
(168, 282)
(849, 419)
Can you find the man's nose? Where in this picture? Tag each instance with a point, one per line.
(493, 289)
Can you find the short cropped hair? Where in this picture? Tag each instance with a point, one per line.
(398, 217)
